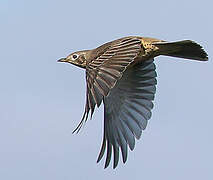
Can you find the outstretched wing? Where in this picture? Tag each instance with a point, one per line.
(127, 108)
(103, 72)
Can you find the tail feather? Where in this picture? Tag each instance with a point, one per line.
(184, 49)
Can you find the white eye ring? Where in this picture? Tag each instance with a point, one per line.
(75, 56)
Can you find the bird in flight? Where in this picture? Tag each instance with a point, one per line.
(122, 75)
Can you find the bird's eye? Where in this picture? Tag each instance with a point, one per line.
(74, 56)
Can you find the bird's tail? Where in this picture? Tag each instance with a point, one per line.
(184, 49)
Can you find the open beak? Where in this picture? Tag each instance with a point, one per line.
(62, 60)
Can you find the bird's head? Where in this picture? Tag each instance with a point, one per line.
(78, 58)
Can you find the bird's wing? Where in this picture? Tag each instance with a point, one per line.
(103, 72)
(127, 109)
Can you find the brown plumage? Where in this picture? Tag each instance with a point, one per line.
(121, 74)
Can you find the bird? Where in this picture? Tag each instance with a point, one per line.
(121, 74)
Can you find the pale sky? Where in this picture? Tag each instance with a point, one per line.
(42, 101)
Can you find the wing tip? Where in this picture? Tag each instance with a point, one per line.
(83, 119)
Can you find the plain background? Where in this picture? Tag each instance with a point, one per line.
(42, 101)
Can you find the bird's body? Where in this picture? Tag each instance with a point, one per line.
(121, 74)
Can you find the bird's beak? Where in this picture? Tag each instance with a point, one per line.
(62, 60)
